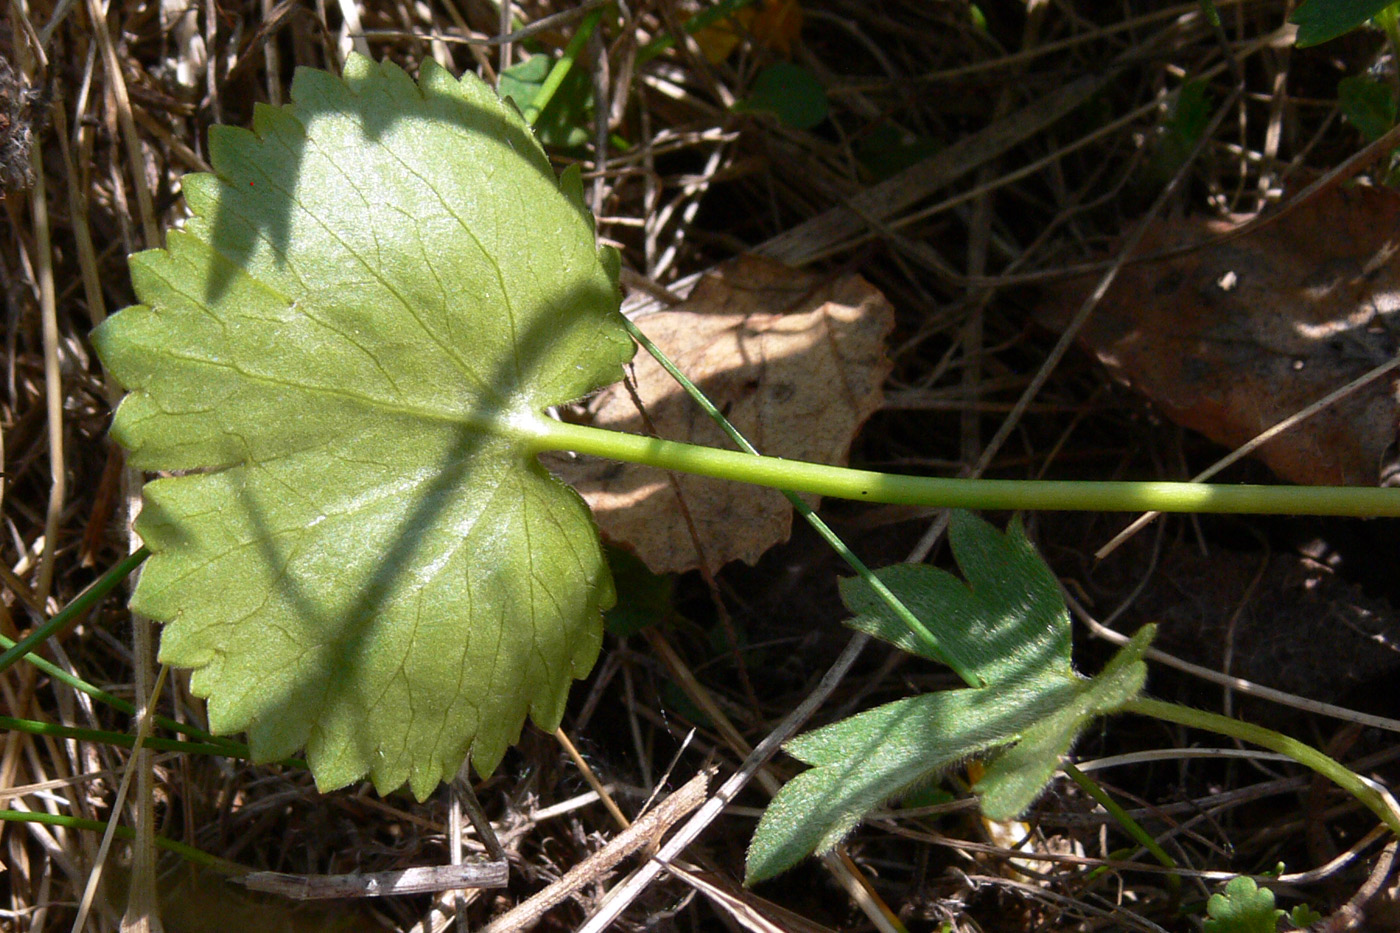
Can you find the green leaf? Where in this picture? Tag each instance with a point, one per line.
(1368, 104)
(1018, 775)
(883, 753)
(644, 598)
(1006, 623)
(791, 93)
(523, 80)
(1322, 20)
(1304, 916)
(564, 121)
(1243, 907)
(1181, 131)
(351, 343)
(1009, 626)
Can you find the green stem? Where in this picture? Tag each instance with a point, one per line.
(189, 853)
(877, 585)
(121, 739)
(71, 613)
(562, 67)
(1125, 820)
(1304, 754)
(235, 750)
(991, 494)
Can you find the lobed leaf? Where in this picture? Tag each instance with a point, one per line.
(1243, 907)
(881, 754)
(377, 294)
(1008, 625)
(1018, 775)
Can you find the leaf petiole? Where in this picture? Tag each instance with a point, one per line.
(803, 509)
(1301, 752)
(977, 494)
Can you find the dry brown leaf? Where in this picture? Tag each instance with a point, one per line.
(796, 361)
(776, 25)
(1232, 338)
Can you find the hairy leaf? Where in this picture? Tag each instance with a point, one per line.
(1008, 625)
(378, 292)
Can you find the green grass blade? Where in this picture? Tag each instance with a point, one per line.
(187, 852)
(70, 613)
(121, 739)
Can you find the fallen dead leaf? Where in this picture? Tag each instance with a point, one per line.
(1232, 338)
(775, 24)
(795, 360)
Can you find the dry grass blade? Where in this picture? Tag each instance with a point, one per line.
(424, 880)
(647, 830)
(834, 230)
(622, 896)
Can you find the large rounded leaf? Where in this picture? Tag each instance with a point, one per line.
(351, 344)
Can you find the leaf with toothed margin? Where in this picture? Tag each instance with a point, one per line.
(344, 351)
(1008, 626)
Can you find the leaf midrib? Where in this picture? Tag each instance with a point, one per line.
(518, 423)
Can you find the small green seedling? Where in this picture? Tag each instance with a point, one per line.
(1008, 628)
(1243, 907)
(346, 356)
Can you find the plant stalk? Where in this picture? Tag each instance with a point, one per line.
(877, 585)
(1301, 752)
(1125, 820)
(988, 494)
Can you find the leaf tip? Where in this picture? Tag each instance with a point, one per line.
(360, 67)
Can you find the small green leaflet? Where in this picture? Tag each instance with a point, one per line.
(1008, 626)
(1320, 21)
(791, 93)
(1368, 104)
(1243, 907)
(376, 296)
